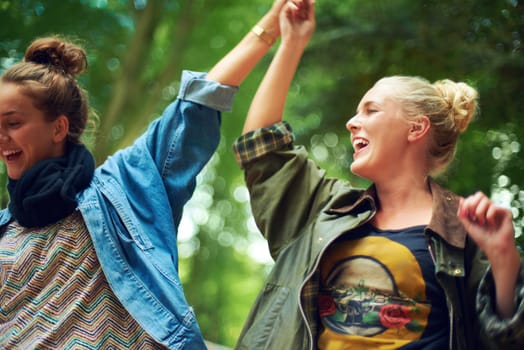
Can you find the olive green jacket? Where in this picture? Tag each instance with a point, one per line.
(300, 212)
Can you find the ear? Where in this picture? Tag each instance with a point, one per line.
(61, 129)
(419, 128)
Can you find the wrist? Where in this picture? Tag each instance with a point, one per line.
(263, 34)
(271, 25)
(294, 43)
(506, 266)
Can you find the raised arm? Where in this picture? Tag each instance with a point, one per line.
(297, 23)
(491, 227)
(238, 63)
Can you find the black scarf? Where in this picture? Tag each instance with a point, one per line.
(46, 192)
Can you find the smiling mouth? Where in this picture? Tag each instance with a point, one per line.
(11, 155)
(359, 144)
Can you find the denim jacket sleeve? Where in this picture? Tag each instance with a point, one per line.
(134, 204)
(179, 144)
(507, 333)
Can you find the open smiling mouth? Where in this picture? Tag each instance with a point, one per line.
(11, 155)
(359, 144)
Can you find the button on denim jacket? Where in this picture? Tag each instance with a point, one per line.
(134, 203)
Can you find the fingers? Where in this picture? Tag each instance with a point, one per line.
(489, 225)
(297, 22)
(472, 212)
(494, 215)
(475, 207)
(480, 210)
(278, 5)
(291, 10)
(300, 9)
(482, 204)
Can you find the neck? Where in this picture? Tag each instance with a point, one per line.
(402, 204)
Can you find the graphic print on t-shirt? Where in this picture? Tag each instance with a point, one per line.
(375, 293)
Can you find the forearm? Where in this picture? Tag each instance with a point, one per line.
(505, 275)
(239, 62)
(268, 104)
(491, 227)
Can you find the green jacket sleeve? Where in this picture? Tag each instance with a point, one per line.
(287, 189)
(508, 333)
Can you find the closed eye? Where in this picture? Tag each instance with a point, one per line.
(368, 108)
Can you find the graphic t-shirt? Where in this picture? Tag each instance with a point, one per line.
(379, 292)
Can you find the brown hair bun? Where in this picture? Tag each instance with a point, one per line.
(58, 54)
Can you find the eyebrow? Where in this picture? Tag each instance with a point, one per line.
(9, 113)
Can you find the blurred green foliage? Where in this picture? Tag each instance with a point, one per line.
(138, 48)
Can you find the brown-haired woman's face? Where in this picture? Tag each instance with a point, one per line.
(26, 137)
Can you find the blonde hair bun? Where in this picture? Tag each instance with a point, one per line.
(462, 101)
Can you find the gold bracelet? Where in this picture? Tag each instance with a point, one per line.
(262, 34)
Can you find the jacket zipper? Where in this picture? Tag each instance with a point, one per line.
(302, 313)
(310, 335)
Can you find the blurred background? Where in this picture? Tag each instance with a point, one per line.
(137, 50)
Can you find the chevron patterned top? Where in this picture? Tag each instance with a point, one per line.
(54, 295)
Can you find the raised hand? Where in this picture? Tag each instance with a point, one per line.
(297, 21)
(491, 227)
(296, 26)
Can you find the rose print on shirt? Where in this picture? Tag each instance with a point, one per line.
(394, 316)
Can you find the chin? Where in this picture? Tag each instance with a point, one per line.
(360, 171)
(355, 169)
(14, 175)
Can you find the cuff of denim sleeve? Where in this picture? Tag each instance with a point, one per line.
(195, 88)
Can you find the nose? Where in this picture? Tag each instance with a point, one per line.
(353, 123)
(3, 135)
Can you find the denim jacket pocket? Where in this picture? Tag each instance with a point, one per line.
(122, 218)
(129, 234)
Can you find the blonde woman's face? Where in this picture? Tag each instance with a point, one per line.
(378, 134)
(26, 137)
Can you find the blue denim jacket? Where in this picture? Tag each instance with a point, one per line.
(134, 203)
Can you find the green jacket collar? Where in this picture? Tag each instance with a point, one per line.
(444, 221)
